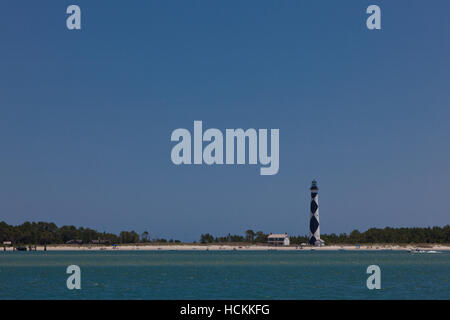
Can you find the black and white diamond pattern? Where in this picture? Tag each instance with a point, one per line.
(314, 230)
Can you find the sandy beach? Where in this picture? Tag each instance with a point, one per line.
(218, 247)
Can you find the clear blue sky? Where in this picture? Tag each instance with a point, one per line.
(86, 116)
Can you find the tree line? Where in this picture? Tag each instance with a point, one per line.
(372, 235)
(392, 235)
(49, 233)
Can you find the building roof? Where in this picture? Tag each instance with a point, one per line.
(278, 235)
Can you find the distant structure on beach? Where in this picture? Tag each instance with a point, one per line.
(278, 239)
(314, 226)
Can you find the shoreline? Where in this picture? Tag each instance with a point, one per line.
(226, 247)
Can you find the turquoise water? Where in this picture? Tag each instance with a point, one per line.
(224, 275)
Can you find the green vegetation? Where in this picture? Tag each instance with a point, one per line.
(392, 235)
(49, 233)
(250, 237)
(373, 235)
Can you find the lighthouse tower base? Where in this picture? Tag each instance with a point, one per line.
(319, 243)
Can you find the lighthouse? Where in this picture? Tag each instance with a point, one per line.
(314, 227)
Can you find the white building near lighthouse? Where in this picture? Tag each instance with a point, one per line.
(281, 239)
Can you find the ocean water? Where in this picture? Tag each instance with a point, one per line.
(224, 275)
